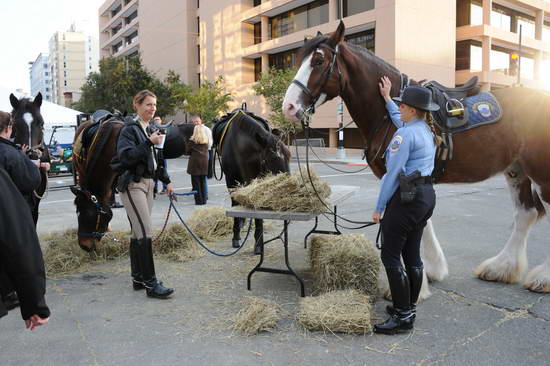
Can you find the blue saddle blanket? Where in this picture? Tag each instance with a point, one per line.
(481, 109)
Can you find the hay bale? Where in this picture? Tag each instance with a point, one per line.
(284, 192)
(63, 256)
(211, 223)
(256, 315)
(176, 244)
(340, 262)
(344, 311)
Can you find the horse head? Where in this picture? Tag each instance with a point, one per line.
(28, 122)
(319, 78)
(93, 218)
(276, 155)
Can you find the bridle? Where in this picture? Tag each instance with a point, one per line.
(324, 79)
(101, 210)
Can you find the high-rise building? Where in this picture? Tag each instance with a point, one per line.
(39, 72)
(73, 55)
(444, 40)
(162, 33)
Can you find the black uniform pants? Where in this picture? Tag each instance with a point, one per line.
(402, 227)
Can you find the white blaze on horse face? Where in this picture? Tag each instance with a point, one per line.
(292, 102)
(27, 117)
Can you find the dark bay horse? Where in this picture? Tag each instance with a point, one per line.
(96, 175)
(248, 149)
(29, 130)
(517, 146)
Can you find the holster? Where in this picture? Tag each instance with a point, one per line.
(407, 186)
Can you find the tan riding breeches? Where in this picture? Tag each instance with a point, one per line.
(138, 202)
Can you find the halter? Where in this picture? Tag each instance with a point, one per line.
(324, 79)
(99, 212)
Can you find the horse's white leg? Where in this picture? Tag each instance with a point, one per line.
(435, 264)
(538, 279)
(510, 264)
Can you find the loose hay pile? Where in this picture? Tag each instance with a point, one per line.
(340, 262)
(176, 244)
(211, 223)
(63, 255)
(345, 311)
(283, 192)
(255, 316)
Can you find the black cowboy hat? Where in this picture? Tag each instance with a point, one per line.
(417, 97)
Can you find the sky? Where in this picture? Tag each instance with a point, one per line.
(26, 27)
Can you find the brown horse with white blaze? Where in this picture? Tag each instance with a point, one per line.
(519, 145)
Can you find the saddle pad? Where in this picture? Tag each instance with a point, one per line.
(481, 109)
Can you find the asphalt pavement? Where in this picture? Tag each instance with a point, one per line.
(97, 319)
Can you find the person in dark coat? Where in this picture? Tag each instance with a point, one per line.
(197, 167)
(139, 164)
(20, 255)
(26, 176)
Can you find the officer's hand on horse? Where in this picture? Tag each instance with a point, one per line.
(385, 88)
(45, 166)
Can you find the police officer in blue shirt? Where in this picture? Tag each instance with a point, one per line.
(407, 199)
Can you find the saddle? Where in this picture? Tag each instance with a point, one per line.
(460, 109)
(452, 114)
(221, 125)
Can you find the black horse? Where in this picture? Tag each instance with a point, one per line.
(29, 130)
(96, 173)
(248, 149)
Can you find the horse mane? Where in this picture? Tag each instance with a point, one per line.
(312, 44)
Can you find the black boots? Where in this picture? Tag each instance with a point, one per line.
(143, 269)
(402, 320)
(415, 281)
(137, 278)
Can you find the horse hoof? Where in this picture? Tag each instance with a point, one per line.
(236, 243)
(538, 280)
(87, 249)
(501, 269)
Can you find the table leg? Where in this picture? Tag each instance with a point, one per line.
(288, 271)
(336, 231)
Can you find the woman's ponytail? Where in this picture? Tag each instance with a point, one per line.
(431, 124)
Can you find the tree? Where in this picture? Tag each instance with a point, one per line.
(119, 79)
(209, 100)
(272, 86)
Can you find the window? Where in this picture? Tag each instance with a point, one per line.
(363, 39)
(257, 2)
(199, 54)
(283, 60)
(257, 68)
(65, 82)
(546, 32)
(131, 17)
(198, 26)
(300, 18)
(527, 27)
(476, 14)
(45, 66)
(352, 7)
(257, 33)
(47, 89)
(46, 73)
(501, 17)
(199, 78)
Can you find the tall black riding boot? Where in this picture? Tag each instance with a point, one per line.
(402, 320)
(415, 281)
(137, 278)
(153, 287)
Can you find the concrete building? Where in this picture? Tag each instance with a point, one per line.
(163, 33)
(73, 55)
(39, 73)
(444, 40)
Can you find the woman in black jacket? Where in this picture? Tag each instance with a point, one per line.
(20, 255)
(139, 165)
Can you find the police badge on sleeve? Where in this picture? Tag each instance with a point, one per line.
(395, 144)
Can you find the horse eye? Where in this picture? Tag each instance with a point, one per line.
(317, 62)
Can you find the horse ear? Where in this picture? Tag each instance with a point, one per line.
(319, 34)
(38, 100)
(14, 101)
(338, 35)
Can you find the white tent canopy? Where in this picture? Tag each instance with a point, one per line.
(52, 113)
